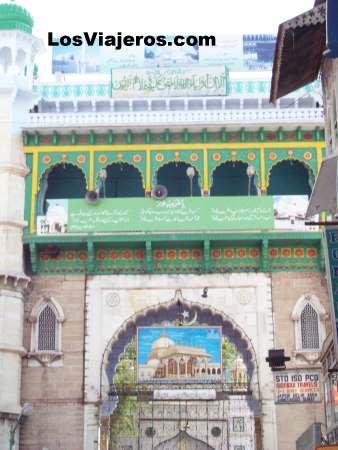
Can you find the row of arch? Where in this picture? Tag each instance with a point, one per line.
(288, 177)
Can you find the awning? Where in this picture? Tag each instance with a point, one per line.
(324, 194)
(299, 51)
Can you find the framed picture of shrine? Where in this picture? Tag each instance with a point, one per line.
(179, 354)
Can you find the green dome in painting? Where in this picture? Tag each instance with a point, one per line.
(15, 17)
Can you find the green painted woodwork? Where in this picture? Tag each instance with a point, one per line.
(185, 256)
(180, 214)
(217, 157)
(123, 180)
(290, 178)
(136, 159)
(15, 17)
(306, 155)
(184, 137)
(28, 189)
(230, 179)
(50, 159)
(174, 177)
(65, 181)
(161, 158)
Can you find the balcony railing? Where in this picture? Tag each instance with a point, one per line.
(275, 117)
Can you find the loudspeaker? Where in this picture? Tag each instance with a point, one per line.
(159, 192)
(92, 197)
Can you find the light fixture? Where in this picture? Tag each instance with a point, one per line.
(190, 174)
(250, 171)
(205, 293)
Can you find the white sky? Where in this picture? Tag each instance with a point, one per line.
(156, 16)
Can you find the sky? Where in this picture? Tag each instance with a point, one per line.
(154, 16)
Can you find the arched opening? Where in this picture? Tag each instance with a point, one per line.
(231, 179)
(172, 367)
(182, 367)
(174, 177)
(122, 180)
(63, 181)
(5, 59)
(20, 61)
(290, 177)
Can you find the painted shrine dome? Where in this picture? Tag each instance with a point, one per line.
(162, 342)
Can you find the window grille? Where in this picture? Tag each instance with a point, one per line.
(309, 328)
(238, 424)
(47, 329)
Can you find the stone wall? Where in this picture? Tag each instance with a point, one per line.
(287, 289)
(56, 390)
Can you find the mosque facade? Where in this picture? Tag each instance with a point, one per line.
(120, 213)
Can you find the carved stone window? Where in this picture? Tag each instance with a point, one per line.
(309, 319)
(46, 319)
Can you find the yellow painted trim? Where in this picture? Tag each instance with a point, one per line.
(148, 171)
(319, 151)
(206, 170)
(35, 182)
(263, 171)
(91, 170)
(157, 147)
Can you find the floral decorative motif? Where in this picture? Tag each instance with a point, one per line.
(194, 157)
(127, 254)
(254, 252)
(184, 254)
(216, 254)
(251, 156)
(46, 159)
(290, 152)
(312, 253)
(159, 157)
(119, 155)
(83, 256)
(158, 254)
(216, 156)
(177, 155)
(101, 254)
(139, 254)
(81, 159)
(137, 158)
(299, 252)
(229, 253)
(102, 159)
(286, 252)
(241, 253)
(196, 254)
(272, 156)
(307, 156)
(114, 254)
(63, 156)
(70, 256)
(233, 154)
(273, 252)
(171, 254)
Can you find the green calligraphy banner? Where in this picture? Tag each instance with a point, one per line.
(171, 214)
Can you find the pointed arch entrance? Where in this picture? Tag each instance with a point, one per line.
(154, 415)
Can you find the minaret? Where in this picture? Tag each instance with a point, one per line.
(18, 50)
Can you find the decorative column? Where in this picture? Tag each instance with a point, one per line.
(18, 49)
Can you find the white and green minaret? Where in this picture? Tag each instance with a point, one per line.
(18, 50)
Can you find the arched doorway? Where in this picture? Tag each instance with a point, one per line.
(122, 180)
(63, 181)
(142, 418)
(174, 177)
(231, 179)
(290, 177)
